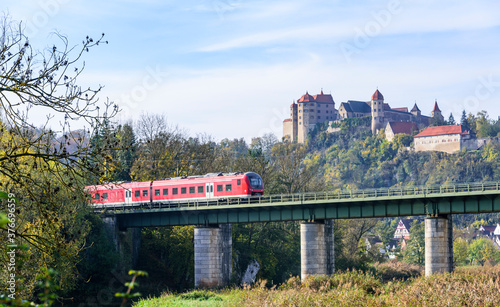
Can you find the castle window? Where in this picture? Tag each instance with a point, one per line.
(319, 117)
(300, 111)
(300, 123)
(326, 111)
(319, 111)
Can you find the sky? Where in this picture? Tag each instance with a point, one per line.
(231, 68)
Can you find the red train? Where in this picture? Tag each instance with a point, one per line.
(211, 186)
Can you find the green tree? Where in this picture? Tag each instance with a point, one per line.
(414, 252)
(349, 246)
(483, 250)
(451, 120)
(402, 141)
(385, 230)
(168, 254)
(460, 255)
(125, 155)
(464, 121)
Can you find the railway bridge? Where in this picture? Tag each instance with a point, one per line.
(317, 212)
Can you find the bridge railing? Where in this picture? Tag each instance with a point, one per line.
(324, 196)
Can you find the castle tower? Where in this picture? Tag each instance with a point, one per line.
(436, 112)
(416, 111)
(293, 116)
(377, 106)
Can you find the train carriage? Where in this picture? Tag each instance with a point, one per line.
(177, 190)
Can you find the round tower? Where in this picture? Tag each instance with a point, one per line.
(377, 106)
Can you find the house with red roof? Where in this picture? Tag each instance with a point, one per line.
(449, 138)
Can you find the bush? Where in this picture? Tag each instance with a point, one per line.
(200, 295)
(397, 270)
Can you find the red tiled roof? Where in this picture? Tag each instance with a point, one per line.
(403, 127)
(287, 120)
(323, 98)
(405, 109)
(442, 130)
(306, 98)
(377, 95)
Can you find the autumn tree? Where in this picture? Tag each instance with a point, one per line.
(162, 150)
(293, 172)
(45, 164)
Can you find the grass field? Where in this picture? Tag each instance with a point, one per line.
(471, 286)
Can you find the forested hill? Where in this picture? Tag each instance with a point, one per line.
(353, 158)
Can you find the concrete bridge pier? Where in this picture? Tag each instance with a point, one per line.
(212, 255)
(317, 256)
(438, 244)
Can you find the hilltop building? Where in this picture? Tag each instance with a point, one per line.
(393, 128)
(382, 114)
(306, 113)
(313, 109)
(449, 138)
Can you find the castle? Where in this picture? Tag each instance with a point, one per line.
(313, 109)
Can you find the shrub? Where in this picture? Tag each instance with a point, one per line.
(397, 270)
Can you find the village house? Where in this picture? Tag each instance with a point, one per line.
(403, 229)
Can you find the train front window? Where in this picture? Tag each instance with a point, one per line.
(255, 181)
